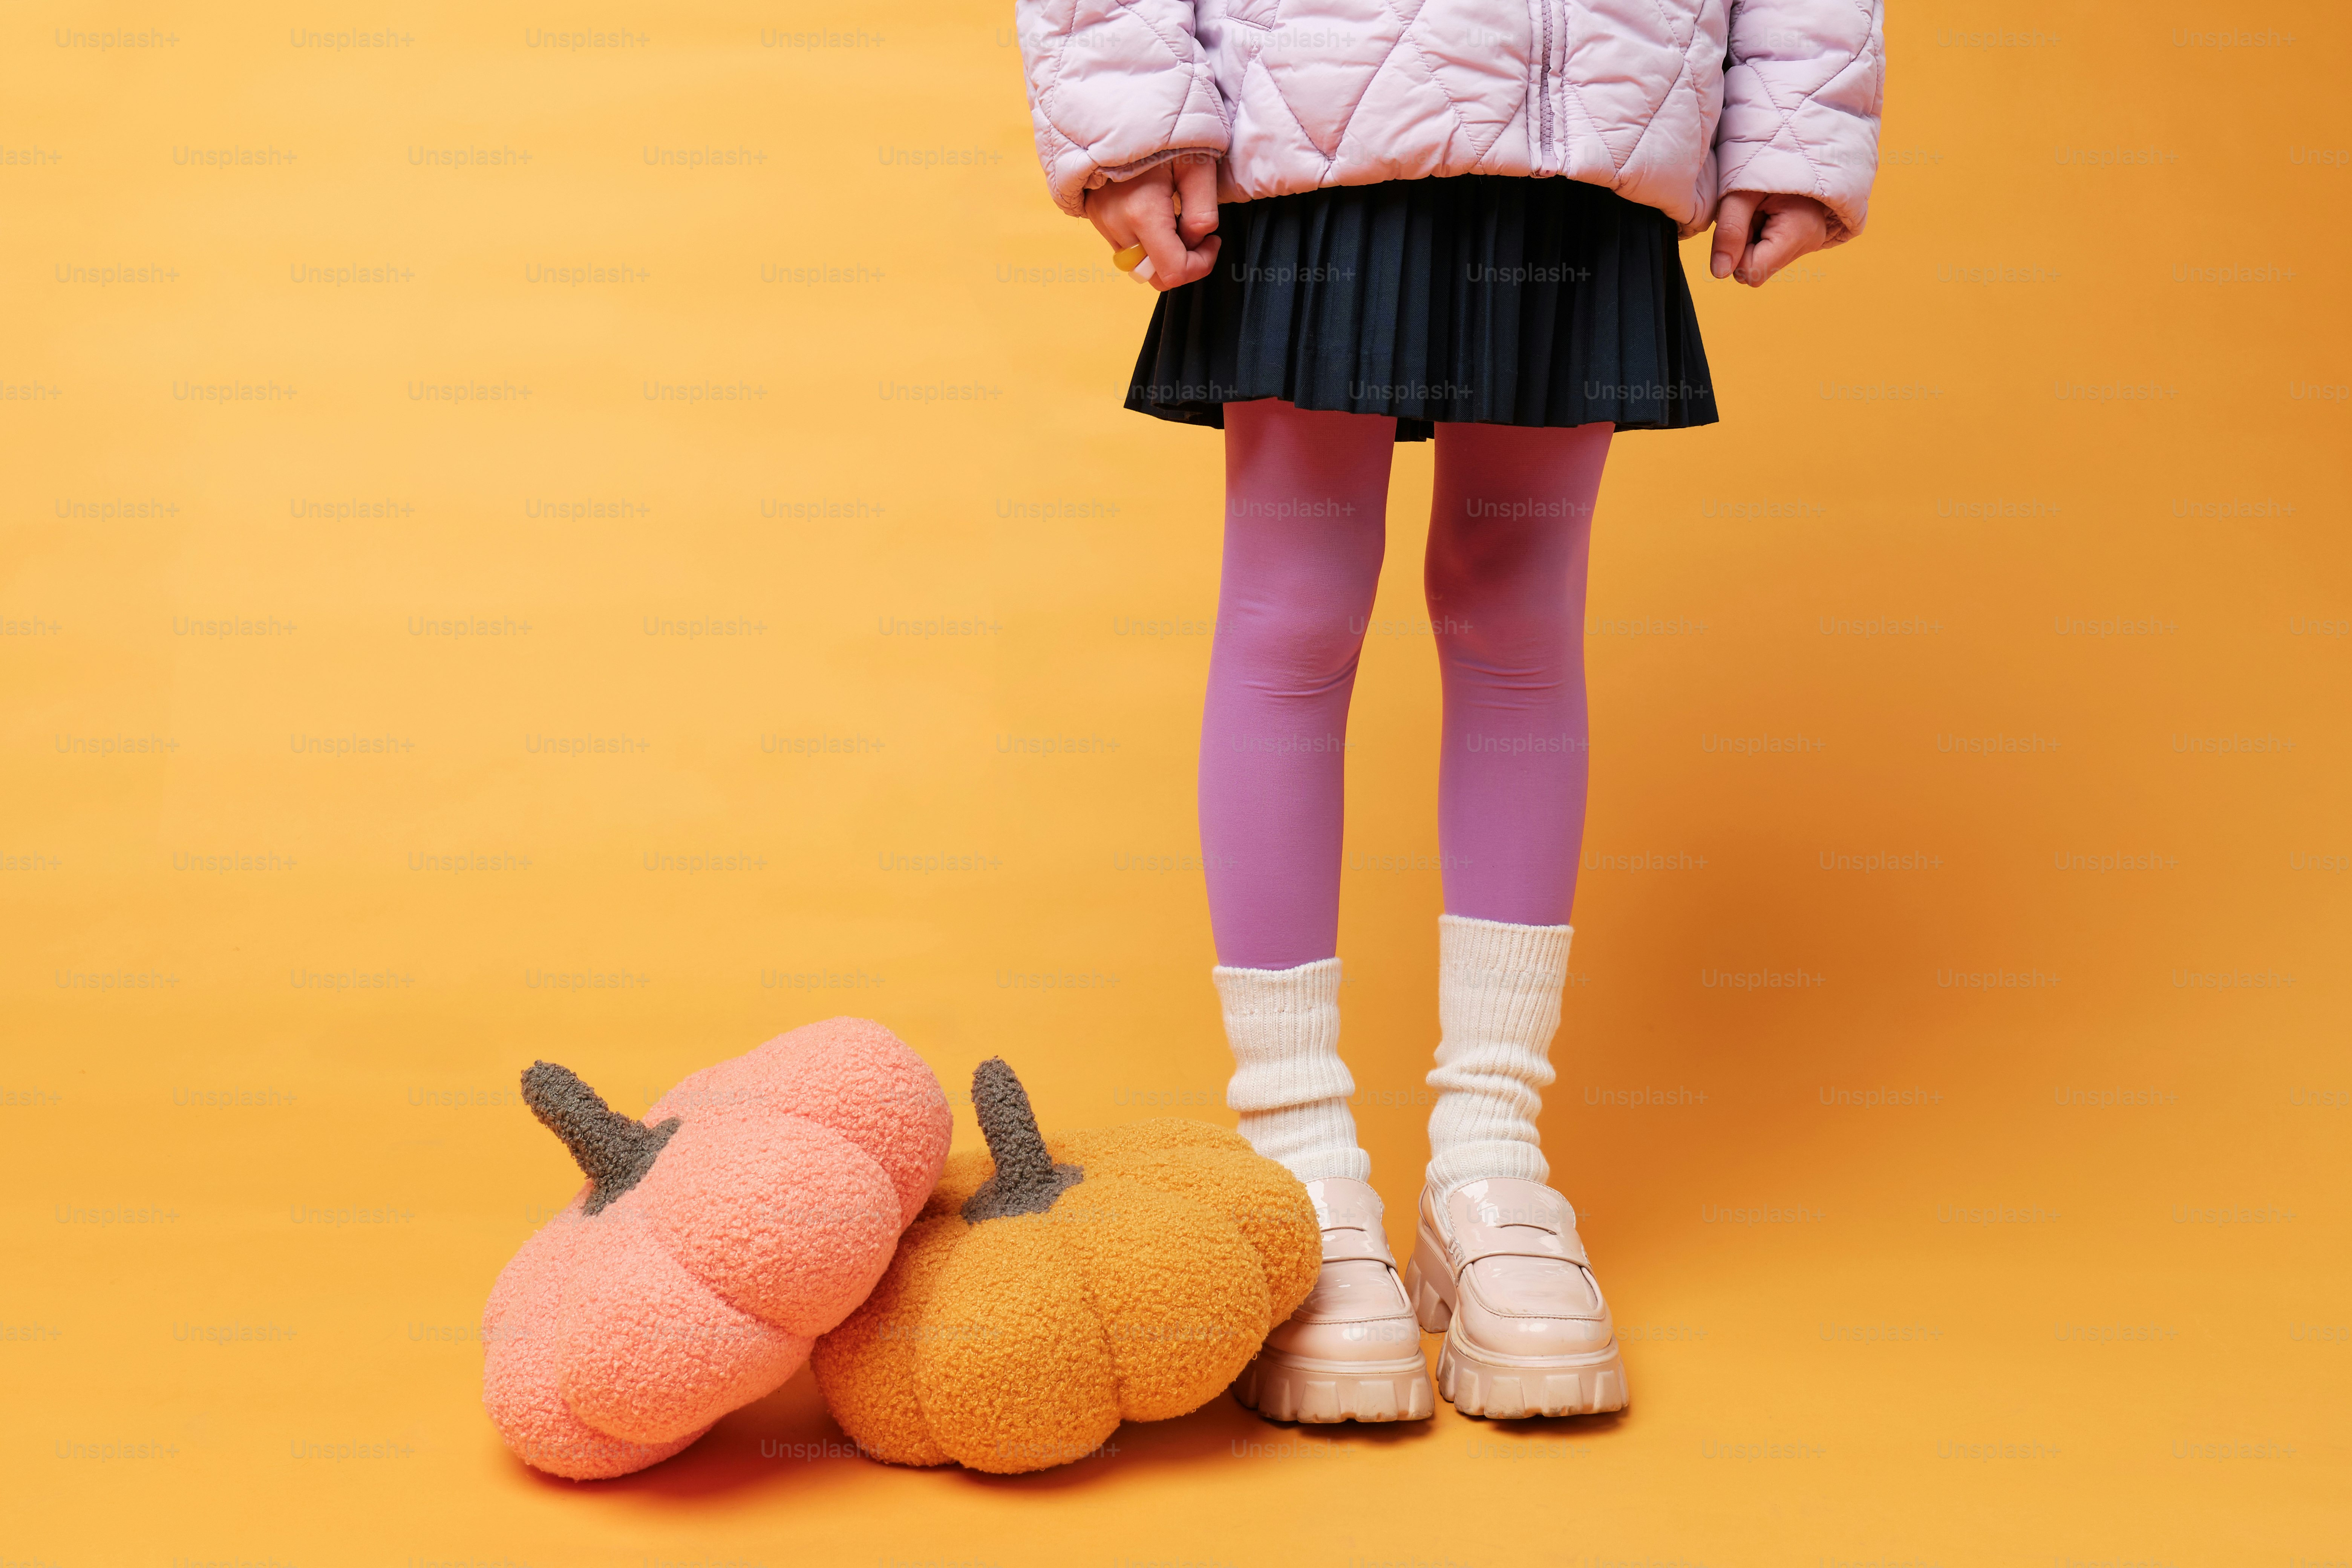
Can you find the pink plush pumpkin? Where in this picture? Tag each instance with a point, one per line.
(752, 1209)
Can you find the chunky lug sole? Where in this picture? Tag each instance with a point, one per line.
(1501, 1387)
(1292, 1388)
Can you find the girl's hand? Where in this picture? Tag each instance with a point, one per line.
(1145, 208)
(1756, 236)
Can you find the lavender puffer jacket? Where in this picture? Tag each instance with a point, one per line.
(1669, 103)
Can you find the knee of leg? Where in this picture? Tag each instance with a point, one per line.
(1509, 641)
(1297, 640)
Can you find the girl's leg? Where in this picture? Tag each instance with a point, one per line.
(1497, 1265)
(1306, 520)
(1305, 524)
(1306, 517)
(1509, 532)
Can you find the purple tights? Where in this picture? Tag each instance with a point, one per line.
(1306, 523)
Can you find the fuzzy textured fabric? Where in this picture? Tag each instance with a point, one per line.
(1289, 1082)
(1498, 989)
(612, 1152)
(1026, 1180)
(1021, 1342)
(620, 1332)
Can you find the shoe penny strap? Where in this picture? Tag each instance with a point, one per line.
(1467, 1247)
(1341, 1243)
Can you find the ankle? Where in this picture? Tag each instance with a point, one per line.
(1458, 1163)
(1499, 1001)
(1289, 1084)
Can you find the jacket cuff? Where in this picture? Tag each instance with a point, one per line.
(1771, 172)
(1128, 171)
(1072, 170)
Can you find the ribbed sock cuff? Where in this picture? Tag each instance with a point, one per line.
(1487, 955)
(1289, 1082)
(1486, 1161)
(1498, 996)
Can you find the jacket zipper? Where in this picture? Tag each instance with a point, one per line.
(1555, 61)
(1540, 85)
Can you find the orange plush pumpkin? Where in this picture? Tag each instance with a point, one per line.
(1052, 1287)
(751, 1209)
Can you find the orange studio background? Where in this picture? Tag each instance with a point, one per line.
(606, 532)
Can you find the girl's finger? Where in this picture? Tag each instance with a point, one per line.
(1786, 235)
(1155, 228)
(1198, 263)
(1196, 183)
(1735, 220)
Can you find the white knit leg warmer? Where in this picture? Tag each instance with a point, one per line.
(1288, 1081)
(1499, 990)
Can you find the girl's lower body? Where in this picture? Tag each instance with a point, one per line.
(1518, 323)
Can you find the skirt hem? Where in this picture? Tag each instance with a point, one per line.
(1475, 298)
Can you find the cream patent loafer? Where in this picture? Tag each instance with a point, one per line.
(1499, 1270)
(1352, 1351)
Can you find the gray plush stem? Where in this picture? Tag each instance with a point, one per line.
(612, 1150)
(1026, 1180)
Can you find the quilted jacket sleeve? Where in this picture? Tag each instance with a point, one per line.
(1114, 86)
(1801, 86)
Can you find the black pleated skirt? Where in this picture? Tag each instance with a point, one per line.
(1484, 298)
